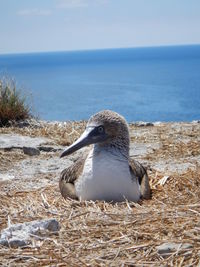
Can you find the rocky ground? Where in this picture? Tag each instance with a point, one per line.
(162, 231)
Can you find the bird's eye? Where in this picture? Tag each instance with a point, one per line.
(100, 129)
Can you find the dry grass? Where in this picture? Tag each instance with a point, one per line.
(122, 234)
(97, 233)
(61, 133)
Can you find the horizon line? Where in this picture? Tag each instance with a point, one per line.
(98, 49)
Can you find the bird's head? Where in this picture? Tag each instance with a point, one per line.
(105, 128)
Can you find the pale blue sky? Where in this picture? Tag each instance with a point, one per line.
(57, 25)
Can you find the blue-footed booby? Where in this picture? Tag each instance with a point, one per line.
(106, 172)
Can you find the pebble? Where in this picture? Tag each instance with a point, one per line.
(168, 248)
(31, 151)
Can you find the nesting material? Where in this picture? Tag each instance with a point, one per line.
(163, 180)
(106, 234)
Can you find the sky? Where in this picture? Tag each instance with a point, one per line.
(61, 25)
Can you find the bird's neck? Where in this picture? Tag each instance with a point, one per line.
(115, 151)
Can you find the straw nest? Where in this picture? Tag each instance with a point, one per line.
(106, 234)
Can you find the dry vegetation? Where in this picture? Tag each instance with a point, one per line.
(13, 105)
(104, 234)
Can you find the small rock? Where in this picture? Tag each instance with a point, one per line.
(50, 148)
(168, 248)
(33, 123)
(21, 234)
(22, 124)
(196, 121)
(142, 124)
(31, 151)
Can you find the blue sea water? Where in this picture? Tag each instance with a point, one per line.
(148, 84)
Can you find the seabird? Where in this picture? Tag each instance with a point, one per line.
(107, 172)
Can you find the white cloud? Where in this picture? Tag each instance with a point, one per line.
(78, 3)
(34, 12)
(72, 3)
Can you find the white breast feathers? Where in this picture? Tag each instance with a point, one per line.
(107, 177)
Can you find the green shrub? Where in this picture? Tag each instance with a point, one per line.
(13, 105)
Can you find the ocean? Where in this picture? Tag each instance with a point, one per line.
(142, 84)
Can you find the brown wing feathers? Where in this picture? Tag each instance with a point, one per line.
(140, 172)
(68, 177)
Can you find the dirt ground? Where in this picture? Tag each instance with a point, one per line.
(99, 233)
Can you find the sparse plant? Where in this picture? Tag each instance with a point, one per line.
(13, 106)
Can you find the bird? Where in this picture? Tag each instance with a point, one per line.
(106, 172)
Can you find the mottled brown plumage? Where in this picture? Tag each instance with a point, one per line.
(69, 176)
(140, 172)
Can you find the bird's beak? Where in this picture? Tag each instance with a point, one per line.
(89, 136)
